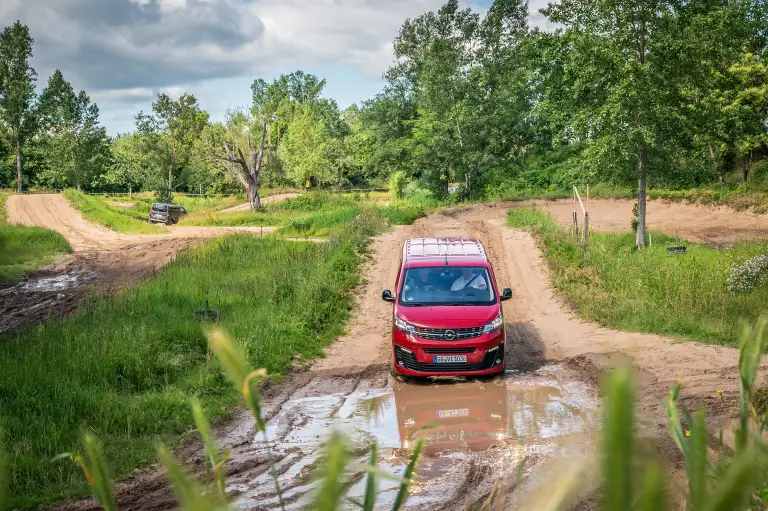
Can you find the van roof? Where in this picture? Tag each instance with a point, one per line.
(430, 251)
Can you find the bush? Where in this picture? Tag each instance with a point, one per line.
(746, 276)
(758, 173)
(404, 215)
(397, 184)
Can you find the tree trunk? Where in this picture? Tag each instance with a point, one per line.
(130, 191)
(253, 197)
(170, 178)
(641, 199)
(18, 166)
(715, 163)
(257, 159)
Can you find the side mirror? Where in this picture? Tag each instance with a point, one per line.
(506, 295)
(386, 295)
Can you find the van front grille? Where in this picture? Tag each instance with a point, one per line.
(455, 334)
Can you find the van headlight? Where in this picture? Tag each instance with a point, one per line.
(404, 326)
(493, 326)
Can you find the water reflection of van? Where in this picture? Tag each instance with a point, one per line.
(468, 416)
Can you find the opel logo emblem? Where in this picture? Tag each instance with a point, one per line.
(449, 335)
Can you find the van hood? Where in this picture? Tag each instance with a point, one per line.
(449, 317)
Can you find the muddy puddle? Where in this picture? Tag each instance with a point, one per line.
(50, 283)
(482, 432)
(41, 296)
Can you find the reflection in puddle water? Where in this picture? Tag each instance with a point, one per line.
(474, 416)
(491, 424)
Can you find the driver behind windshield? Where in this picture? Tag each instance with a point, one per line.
(469, 280)
(425, 280)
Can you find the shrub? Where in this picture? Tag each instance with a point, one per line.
(758, 173)
(397, 184)
(746, 276)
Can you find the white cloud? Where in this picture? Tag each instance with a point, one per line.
(174, 92)
(123, 95)
(125, 51)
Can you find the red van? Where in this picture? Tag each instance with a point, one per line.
(447, 310)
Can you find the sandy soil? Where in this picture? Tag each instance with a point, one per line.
(544, 410)
(701, 224)
(265, 200)
(103, 261)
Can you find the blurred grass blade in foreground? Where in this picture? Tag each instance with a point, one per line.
(332, 486)
(211, 450)
(402, 494)
(751, 345)
(371, 488)
(96, 474)
(189, 494)
(244, 377)
(618, 440)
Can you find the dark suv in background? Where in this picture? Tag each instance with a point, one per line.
(166, 213)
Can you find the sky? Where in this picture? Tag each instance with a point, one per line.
(124, 52)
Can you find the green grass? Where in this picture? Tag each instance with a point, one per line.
(128, 220)
(648, 291)
(322, 223)
(284, 213)
(126, 368)
(325, 223)
(24, 249)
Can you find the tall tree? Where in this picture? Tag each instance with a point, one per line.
(129, 163)
(170, 132)
(305, 149)
(76, 144)
(232, 145)
(18, 112)
(626, 89)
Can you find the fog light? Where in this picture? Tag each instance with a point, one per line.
(400, 363)
(498, 361)
(406, 350)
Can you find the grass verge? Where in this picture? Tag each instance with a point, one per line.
(126, 368)
(648, 291)
(24, 249)
(129, 220)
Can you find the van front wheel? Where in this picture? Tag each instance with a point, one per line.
(397, 376)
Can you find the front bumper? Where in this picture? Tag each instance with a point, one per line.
(414, 356)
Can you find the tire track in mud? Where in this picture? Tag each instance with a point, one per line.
(543, 410)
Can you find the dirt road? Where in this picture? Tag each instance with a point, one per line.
(542, 411)
(271, 199)
(700, 224)
(104, 260)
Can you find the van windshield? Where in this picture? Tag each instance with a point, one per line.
(453, 285)
(160, 207)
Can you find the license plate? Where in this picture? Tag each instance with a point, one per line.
(451, 359)
(444, 414)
